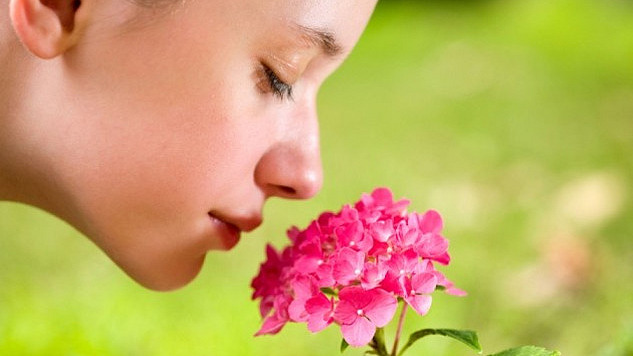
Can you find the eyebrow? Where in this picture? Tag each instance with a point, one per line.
(321, 38)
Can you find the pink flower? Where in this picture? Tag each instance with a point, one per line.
(360, 311)
(310, 256)
(381, 199)
(364, 257)
(382, 230)
(417, 290)
(449, 287)
(304, 288)
(268, 282)
(432, 245)
(348, 266)
(320, 312)
(373, 274)
(354, 236)
(278, 318)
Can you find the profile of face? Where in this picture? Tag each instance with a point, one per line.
(160, 131)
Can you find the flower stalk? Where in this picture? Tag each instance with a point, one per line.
(403, 314)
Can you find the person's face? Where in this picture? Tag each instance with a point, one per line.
(177, 125)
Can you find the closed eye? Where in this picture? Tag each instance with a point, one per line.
(278, 87)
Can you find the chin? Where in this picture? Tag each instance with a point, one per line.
(165, 277)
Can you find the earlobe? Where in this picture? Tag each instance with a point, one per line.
(47, 28)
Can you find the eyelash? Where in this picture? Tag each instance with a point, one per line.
(278, 87)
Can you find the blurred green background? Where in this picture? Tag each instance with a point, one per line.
(514, 119)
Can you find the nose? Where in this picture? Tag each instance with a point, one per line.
(291, 167)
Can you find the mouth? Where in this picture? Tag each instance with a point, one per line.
(229, 229)
(228, 233)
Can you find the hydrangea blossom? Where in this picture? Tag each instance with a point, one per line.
(350, 268)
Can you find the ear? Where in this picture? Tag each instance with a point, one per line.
(47, 28)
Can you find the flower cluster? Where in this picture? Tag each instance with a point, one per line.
(352, 267)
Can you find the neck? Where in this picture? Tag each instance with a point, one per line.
(14, 61)
(28, 173)
(6, 83)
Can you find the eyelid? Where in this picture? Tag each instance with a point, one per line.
(279, 87)
(287, 70)
(269, 83)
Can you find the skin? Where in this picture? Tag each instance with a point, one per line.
(156, 131)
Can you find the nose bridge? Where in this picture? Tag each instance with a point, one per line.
(291, 167)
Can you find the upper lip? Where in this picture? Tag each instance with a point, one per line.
(245, 223)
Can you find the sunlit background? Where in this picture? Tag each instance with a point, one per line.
(514, 119)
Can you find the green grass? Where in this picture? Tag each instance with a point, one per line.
(513, 118)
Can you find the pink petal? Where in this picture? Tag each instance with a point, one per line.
(358, 333)
(348, 213)
(348, 265)
(325, 276)
(320, 311)
(271, 254)
(372, 275)
(392, 284)
(421, 303)
(435, 244)
(293, 233)
(381, 308)
(455, 291)
(303, 287)
(424, 283)
(398, 208)
(382, 230)
(345, 312)
(318, 304)
(266, 305)
(307, 264)
(444, 259)
(366, 242)
(382, 196)
(297, 310)
(431, 221)
(359, 297)
(448, 285)
(318, 322)
(347, 232)
(272, 325)
(351, 299)
(410, 238)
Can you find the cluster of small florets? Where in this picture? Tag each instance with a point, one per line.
(352, 267)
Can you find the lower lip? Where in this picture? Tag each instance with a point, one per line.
(229, 234)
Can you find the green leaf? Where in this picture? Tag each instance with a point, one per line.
(468, 337)
(527, 351)
(344, 345)
(379, 342)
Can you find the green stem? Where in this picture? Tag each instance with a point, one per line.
(403, 313)
(379, 342)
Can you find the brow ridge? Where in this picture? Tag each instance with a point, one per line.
(321, 38)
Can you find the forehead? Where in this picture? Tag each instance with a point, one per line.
(343, 20)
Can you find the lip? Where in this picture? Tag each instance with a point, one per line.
(229, 233)
(229, 228)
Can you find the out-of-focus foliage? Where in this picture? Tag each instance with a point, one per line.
(514, 119)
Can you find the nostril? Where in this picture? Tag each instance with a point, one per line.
(287, 190)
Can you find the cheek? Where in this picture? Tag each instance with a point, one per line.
(168, 134)
(143, 190)
(159, 138)
(170, 164)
